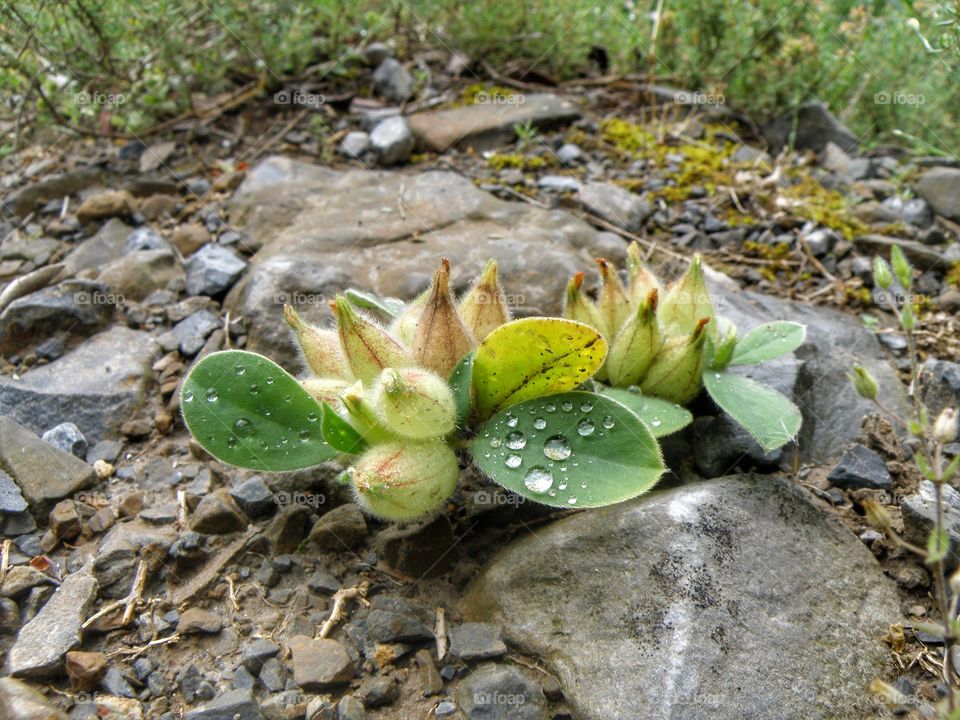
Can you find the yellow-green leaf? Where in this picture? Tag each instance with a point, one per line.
(531, 358)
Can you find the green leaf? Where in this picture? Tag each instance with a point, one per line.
(248, 411)
(938, 545)
(461, 382)
(391, 307)
(340, 434)
(767, 415)
(661, 416)
(768, 341)
(572, 450)
(532, 358)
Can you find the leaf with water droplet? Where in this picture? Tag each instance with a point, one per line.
(661, 416)
(767, 342)
(340, 434)
(767, 415)
(532, 358)
(234, 424)
(585, 459)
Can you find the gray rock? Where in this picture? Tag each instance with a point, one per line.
(272, 675)
(919, 513)
(940, 186)
(319, 665)
(194, 329)
(810, 128)
(115, 683)
(232, 705)
(212, 270)
(476, 641)
(354, 145)
(108, 450)
(323, 582)
(696, 605)
(915, 212)
(615, 204)
(342, 527)
(350, 708)
(100, 249)
(559, 183)
(11, 499)
(501, 692)
(136, 275)
(861, 467)
(393, 81)
(750, 155)
(376, 52)
(19, 701)
(54, 187)
(392, 141)
(144, 238)
(121, 550)
(940, 385)
(256, 653)
(378, 691)
(254, 497)
(97, 386)
(54, 630)
(487, 125)
(44, 474)
(394, 620)
(569, 154)
(721, 445)
(72, 306)
(67, 438)
(837, 161)
(217, 514)
(821, 241)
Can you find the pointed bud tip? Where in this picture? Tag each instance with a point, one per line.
(653, 299)
(291, 316)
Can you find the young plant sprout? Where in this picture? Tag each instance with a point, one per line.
(666, 345)
(400, 405)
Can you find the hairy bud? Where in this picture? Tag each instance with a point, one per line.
(441, 340)
(484, 308)
(687, 302)
(642, 281)
(326, 390)
(877, 515)
(677, 371)
(368, 348)
(945, 427)
(863, 382)
(902, 268)
(321, 348)
(414, 403)
(613, 303)
(404, 327)
(882, 277)
(579, 307)
(635, 346)
(403, 481)
(361, 414)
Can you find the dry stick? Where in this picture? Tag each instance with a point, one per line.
(136, 593)
(5, 561)
(440, 631)
(339, 600)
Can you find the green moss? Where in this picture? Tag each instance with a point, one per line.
(829, 208)
(481, 92)
(857, 296)
(953, 275)
(501, 161)
(626, 137)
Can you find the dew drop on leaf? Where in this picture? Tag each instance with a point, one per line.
(512, 422)
(656, 422)
(212, 395)
(241, 369)
(539, 423)
(495, 442)
(557, 448)
(269, 381)
(586, 406)
(609, 422)
(566, 406)
(550, 407)
(571, 501)
(513, 461)
(254, 389)
(312, 417)
(585, 427)
(516, 440)
(304, 436)
(538, 479)
(243, 427)
(188, 396)
(231, 442)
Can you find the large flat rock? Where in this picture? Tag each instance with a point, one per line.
(733, 598)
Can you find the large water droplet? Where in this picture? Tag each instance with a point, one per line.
(243, 427)
(539, 423)
(609, 422)
(571, 501)
(514, 461)
(312, 417)
(538, 479)
(269, 381)
(516, 440)
(550, 407)
(566, 406)
(557, 448)
(212, 395)
(241, 369)
(512, 422)
(585, 427)
(304, 436)
(188, 396)
(586, 406)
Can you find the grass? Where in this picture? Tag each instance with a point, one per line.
(66, 61)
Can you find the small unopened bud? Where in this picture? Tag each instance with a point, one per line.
(688, 302)
(882, 277)
(325, 390)
(954, 582)
(945, 428)
(321, 348)
(404, 327)
(877, 515)
(441, 340)
(579, 307)
(635, 346)
(863, 382)
(484, 308)
(902, 268)
(725, 344)
(677, 371)
(368, 347)
(642, 281)
(362, 416)
(613, 303)
(403, 481)
(414, 403)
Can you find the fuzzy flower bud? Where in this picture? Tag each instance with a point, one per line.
(882, 277)
(404, 327)
(414, 403)
(677, 371)
(863, 382)
(635, 346)
(642, 281)
(403, 481)
(484, 308)
(368, 347)
(613, 303)
(579, 307)
(441, 340)
(877, 515)
(945, 427)
(902, 268)
(321, 348)
(361, 414)
(688, 302)
(325, 390)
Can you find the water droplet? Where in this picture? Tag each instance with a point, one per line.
(188, 396)
(539, 423)
(287, 398)
(243, 427)
(717, 375)
(495, 442)
(557, 448)
(283, 441)
(585, 427)
(241, 369)
(514, 461)
(550, 407)
(212, 395)
(254, 389)
(566, 406)
(304, 436)
(538, 479)
(656, 422)
(312, 417)
(269, 381)
(552, 493)
(586, 406)
(571, 501)
(583, 486)
(608, 422)
(231, 442)
(516, 440)
(562, 486)
(512, 422)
